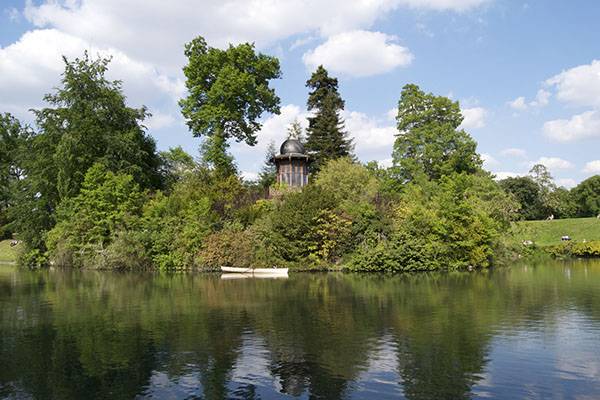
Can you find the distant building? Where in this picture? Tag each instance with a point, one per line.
(292, 165)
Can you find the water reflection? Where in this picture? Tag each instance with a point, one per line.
(528, 331)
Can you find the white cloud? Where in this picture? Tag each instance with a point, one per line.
(31, 67)
(359, 53)
(553, 163)
(250, 176)
(514, 152)
(385, 163)
(159, 120)
(542, 99)
(592, 167)
(274, 128)
(578, 86)
(580, 126)
(518, 104)
(506, 174)
(566, 182)
(455, 5)
(373, 139)
(474, 117)
(489, 161)
(132, 27)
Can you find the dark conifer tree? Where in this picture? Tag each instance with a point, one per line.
(326, 137)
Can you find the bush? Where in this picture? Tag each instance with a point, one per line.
(589, 249)
(454, 223)
(231, 247)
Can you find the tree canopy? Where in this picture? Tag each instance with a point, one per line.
(429, 143)
(228, 90)
(326, 137)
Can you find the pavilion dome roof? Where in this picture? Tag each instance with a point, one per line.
(291, 146)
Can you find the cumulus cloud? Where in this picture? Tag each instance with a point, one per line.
(489, 161)
(566, 182)
(592, 167)
(578, 86)
(553, 163)
(474, 117)
(514, 152)
(506, 174)
(31, 67)
(518, 104)
(373, 138)
(110, 22)
(359, 53)
(542, 99)
(580, 126)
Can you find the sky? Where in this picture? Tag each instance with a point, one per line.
(526, 73)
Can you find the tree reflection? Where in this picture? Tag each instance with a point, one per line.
(72, 335)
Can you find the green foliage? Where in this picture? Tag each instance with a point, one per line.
(215, 155)
(451, 224)
(108, 203)
(418, 109)
(87, 122)
(347, 180)
(586, 196)
(267, 177)
(176, 225)
(326, 136)
(232, 246)
(175, 164)
(586, 249)
(290, 230)
(13, 137)
(547, 233)
(527, 192)
(430, 145)
(228, 90)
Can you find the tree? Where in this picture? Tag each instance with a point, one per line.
(587, 197)
(106, 205)
(12, 140)
(87, 122)
(266, 177)
(429, 143)
(228, 91)
(528, 194)
(295, 131)
(175, 163)
(326, 136)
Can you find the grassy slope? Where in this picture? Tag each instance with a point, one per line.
(545, 233)
(7, 253)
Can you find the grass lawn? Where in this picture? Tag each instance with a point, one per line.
(545, 233)
(7, 253)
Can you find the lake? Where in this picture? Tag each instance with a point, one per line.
(529, 331)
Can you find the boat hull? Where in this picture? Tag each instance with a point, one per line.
(257, 271)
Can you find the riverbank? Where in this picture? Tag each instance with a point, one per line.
(8, 254)
(549, 233)
(545, 237)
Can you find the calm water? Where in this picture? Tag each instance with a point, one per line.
(525, 332)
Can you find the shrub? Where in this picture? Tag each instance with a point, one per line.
(232, 247)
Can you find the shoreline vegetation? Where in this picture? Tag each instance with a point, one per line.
(86, 187)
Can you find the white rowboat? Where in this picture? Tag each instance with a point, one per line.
(257, 271)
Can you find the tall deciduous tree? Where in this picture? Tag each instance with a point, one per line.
(87, 122)
(13, 137)
(587, 197)
(430, 143)
(326, 137)
(228, 92)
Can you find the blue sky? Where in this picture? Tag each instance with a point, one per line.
(525, 72)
